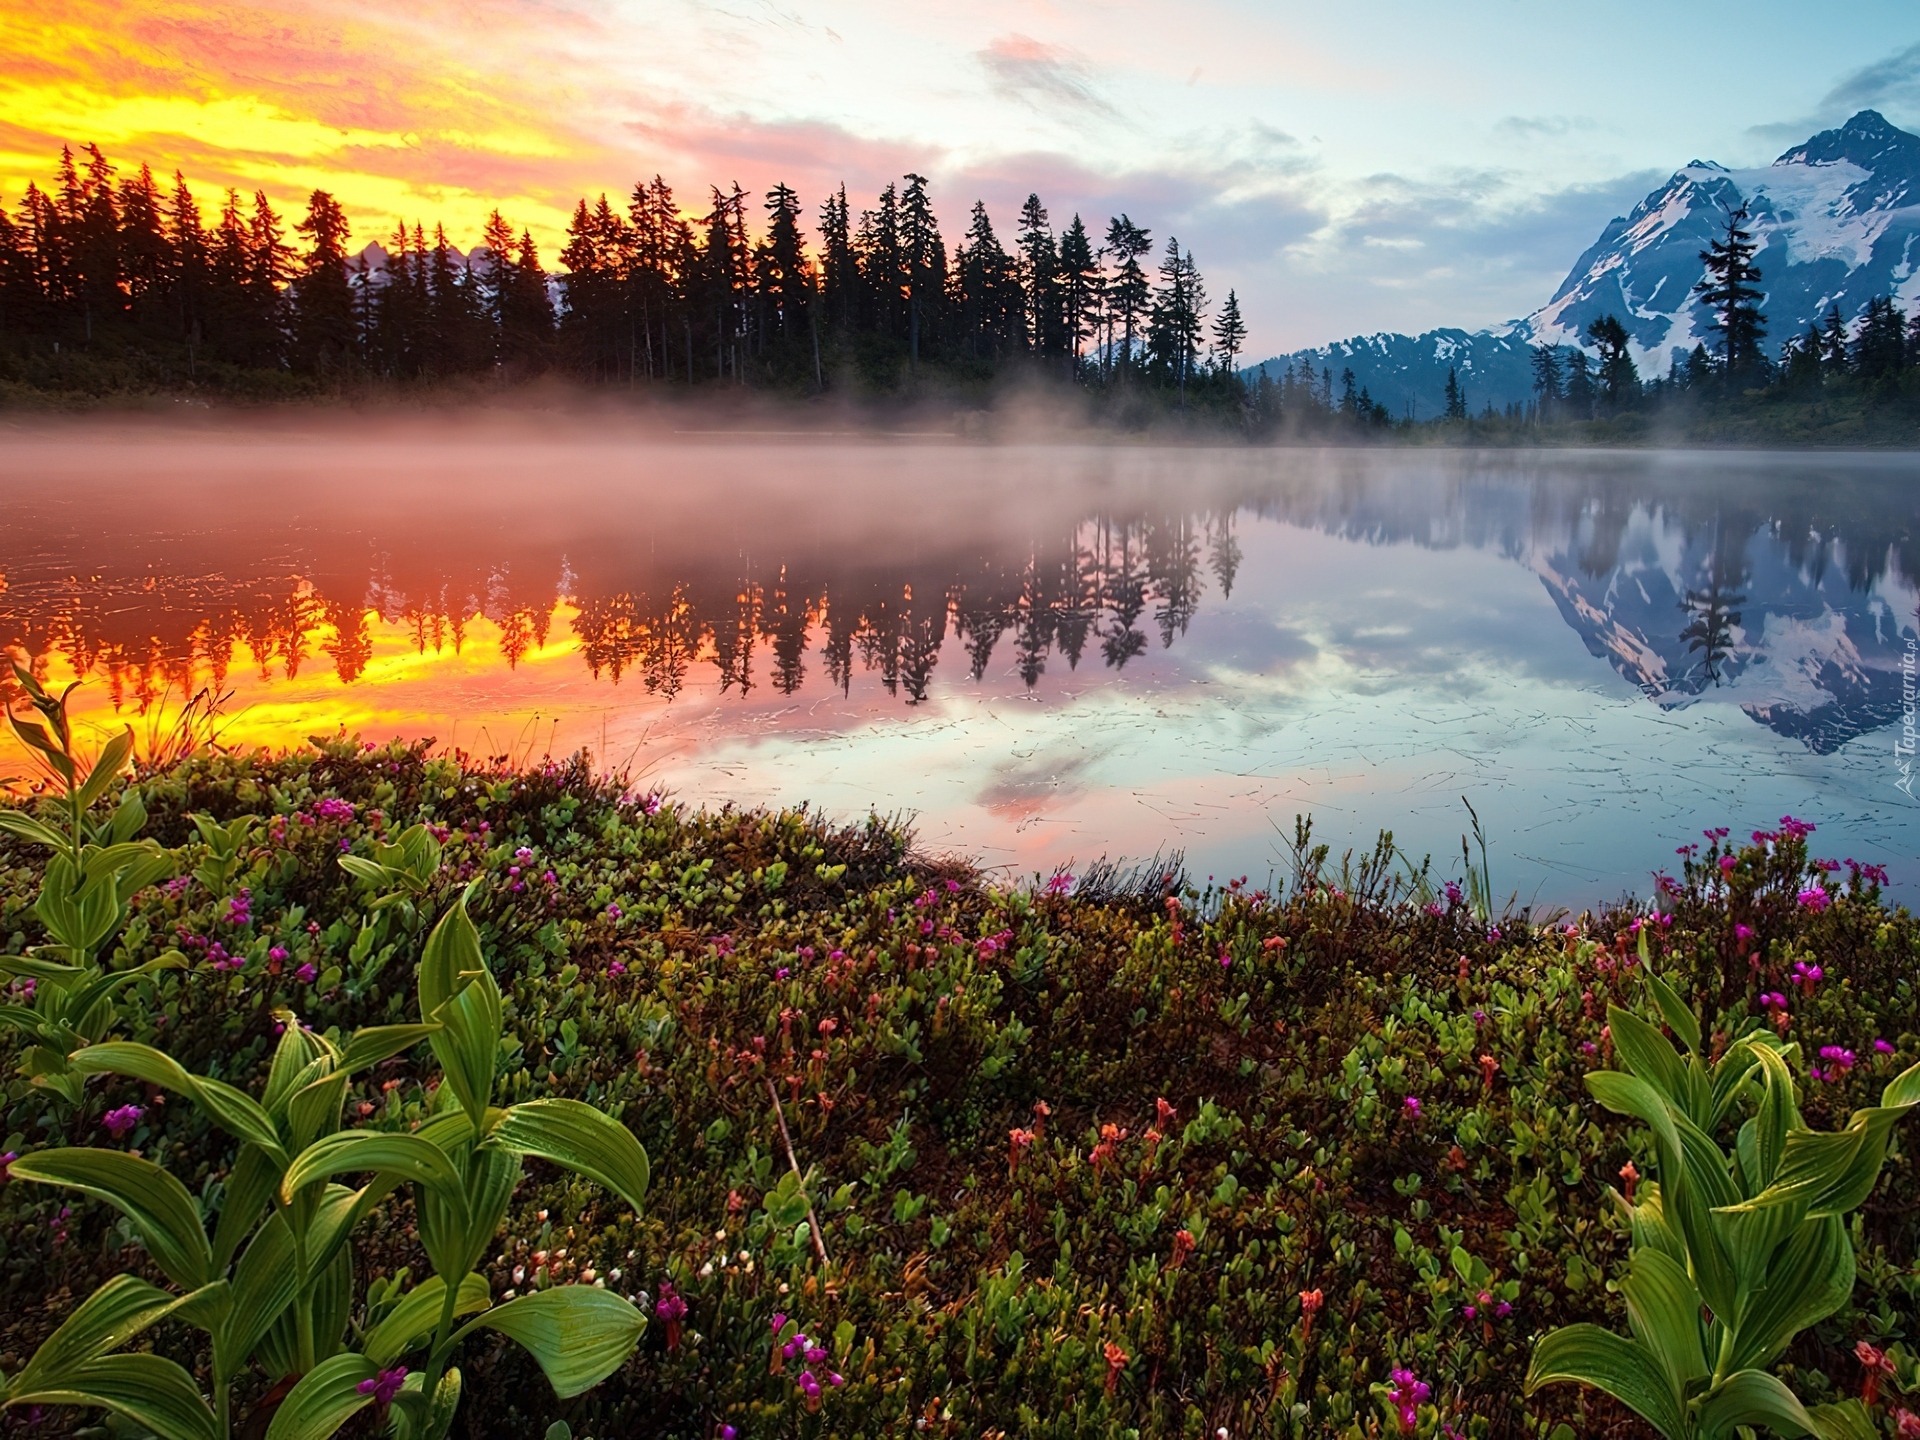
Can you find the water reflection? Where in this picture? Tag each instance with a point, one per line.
(1772, 590)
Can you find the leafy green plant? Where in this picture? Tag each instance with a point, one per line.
(94, 870)
(286, 1300)
(1734, 1254)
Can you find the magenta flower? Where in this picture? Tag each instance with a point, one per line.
(1413, 1106)
(613, 911)
(1727, 864)
(6, 1165)
(1883, 1047)
(1798, 829)
(1060, 884)
(1408, 1395)
(778, 1322)
(306, 974)
(1743, 932)
(119, 1122)
(1814, 898)
(616, 968)
(1806, 976)
(384, 1386)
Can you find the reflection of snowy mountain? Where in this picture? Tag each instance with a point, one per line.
(1795, 645)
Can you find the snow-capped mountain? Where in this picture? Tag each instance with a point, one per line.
(1837, 221)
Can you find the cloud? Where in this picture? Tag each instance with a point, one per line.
(1894, 80)
(1041, 75)
(1528, 127)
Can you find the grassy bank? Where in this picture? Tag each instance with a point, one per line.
(1093, 1158)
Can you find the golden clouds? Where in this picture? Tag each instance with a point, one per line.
(424, 116)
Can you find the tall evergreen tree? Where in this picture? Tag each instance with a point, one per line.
(1728, 289)
(1080, 289)
(1546, 376)
(1128, 293)
(1880, 342)
(1040, 277)
(923, 264)
(839, 272)
(1456, 398)
(323, 318)
(1619, 379)
(1179, 305)
(785, 276)
(1229, 332)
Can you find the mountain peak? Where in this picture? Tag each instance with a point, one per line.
(1868, 140)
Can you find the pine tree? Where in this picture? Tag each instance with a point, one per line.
(1546, 376)
(1229, 332)
(187, 241)
(1080, 289)
(323, 320)
(1456, 402)
(1580, 391)
(1128, 293)
(839, 274)
(786, 277)
(923, 264)
(1728, 290)
(1040, 276)
(1880, 343)
(1619, 379)
(1173, 340)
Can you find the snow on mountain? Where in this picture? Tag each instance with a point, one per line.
(1837, 221)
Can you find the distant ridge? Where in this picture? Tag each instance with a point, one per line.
(1837, 219)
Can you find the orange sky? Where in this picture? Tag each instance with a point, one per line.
(431, 111)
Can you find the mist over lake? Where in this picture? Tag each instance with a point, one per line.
(1046, 653)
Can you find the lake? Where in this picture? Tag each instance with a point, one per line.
(1045, 653)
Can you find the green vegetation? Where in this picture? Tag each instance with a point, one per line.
(1093, 1157)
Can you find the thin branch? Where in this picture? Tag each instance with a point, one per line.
(813, 1221)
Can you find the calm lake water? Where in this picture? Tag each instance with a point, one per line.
(1046, 653)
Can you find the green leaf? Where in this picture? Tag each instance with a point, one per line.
(314, 1110)
(580, 1138)
(1588, 1355)
(324, 1399)
(1650, 1055)
(381, 1042)
(1751, 1397)
(250, 1187)
(113, 756)
(1663, 1311)
(363, 869)
(153, 1392)
(264, 1285)
(468, 1045)
(157, 1204)
(232, 1110)
(23, 826)
(407, 1156)
(414, 1319)
(1778, 1114)
(1809, 1278)
(579, 1335)
(1847, 1420)
(105, 1320)
(1681, 1020)
(452, 950)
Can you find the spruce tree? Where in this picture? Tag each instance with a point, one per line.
(1456, 399)
(323, 321)
(1728, 289)
(1880, 343)
(1128, 292)
(923, 263)
(1080, 289)
(1546, 376)
(1229, 332)
(1619, 379)
(1040, 275)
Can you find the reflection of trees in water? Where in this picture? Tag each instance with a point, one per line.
(1088, 587)
(1712, 617)
(755, 625)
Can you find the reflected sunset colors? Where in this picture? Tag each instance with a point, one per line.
(1045, 652)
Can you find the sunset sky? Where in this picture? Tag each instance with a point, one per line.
(1398, 165)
